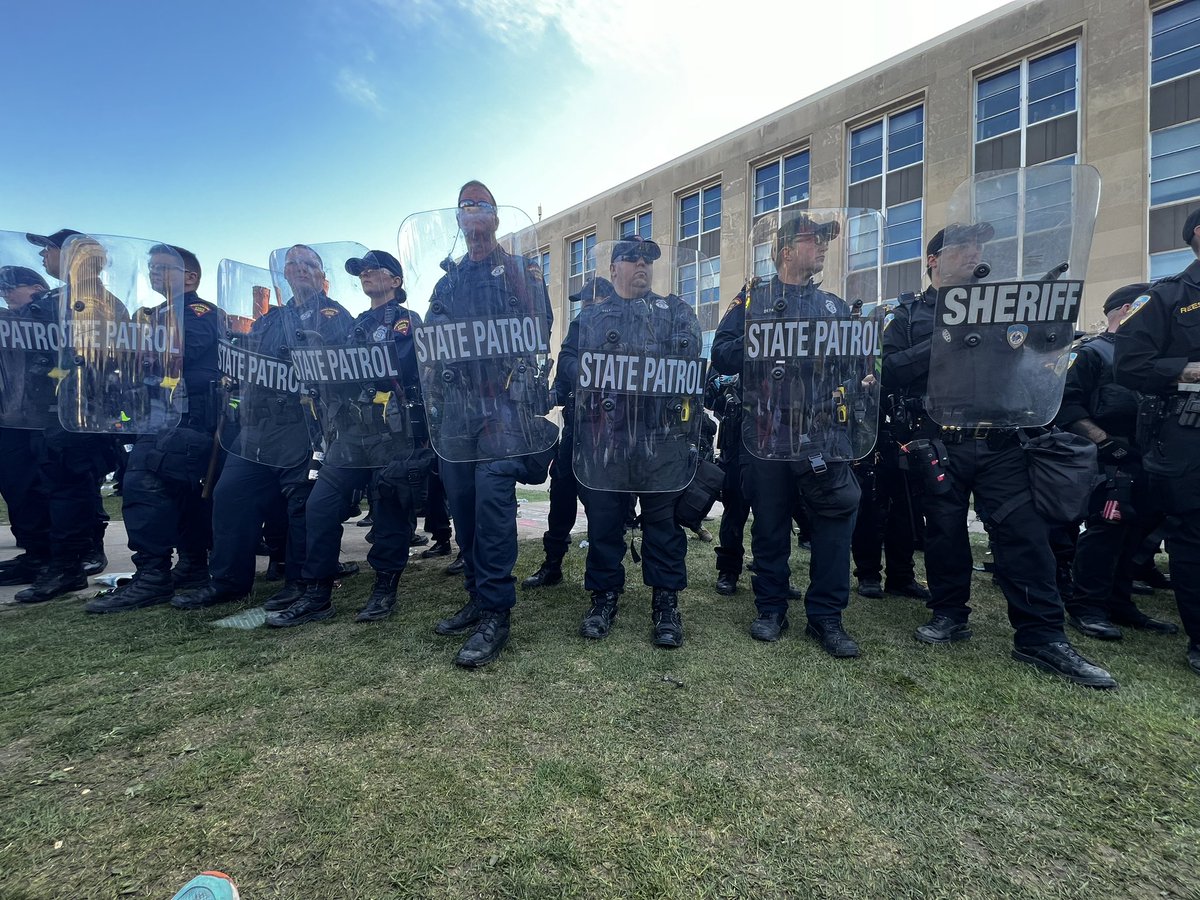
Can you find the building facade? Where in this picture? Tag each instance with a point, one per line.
(1112, 84)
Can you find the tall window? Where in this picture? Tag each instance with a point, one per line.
(581, 256)
(699, 228)
(887, 173)
(639, 224)
(779, 184)
(1174, 132)
(1028, 114)
(543, 259)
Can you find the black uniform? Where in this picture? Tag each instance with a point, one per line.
(827, 489)
(723, 396)
(1160, 336)
(990, 464)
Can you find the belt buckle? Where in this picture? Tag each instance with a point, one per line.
(981, 433)
(817, 462)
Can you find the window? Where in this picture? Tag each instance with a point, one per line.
(1027, 115)
(582, 258)
(543, 260)
(639, 224)
(1174, 132)
(699, 228)
(789, 173)
(887, 173)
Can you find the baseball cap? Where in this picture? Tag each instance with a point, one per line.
(375, 259)
(52, 240)
(19, 276)
(1189, 227)
(960, 234)
(637, 246)
(802, 226)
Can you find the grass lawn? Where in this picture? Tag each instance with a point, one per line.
(342, 760)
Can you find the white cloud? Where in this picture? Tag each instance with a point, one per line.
(357, 89)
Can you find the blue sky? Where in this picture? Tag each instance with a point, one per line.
(233, 128)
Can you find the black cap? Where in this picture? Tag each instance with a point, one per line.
(637, 246)
(802, 225)
(52, 240)
(19, 276)
(1189, 227)
(596, 289)
(1123, 295)
(375, 259)
(959, 234)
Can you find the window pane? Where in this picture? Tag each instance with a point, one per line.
(1175, 44)
(1052, 85)
(766, 188)
(864, 241)
(645, 224)
(1175, 164)
(997, 104)
(764, 267)
(710, 281)
(903, 232)
(866, 152)
(687, 284)
(546, 266)
(1164, 264)
(795, 178)
(712, 208)
(906, 133)
(577, 257)
(626, 229)
(689, 216)
(589, 249)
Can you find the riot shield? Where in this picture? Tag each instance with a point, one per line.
(1012, 267)
(810, 372)
(483, 350)
(352, 375)
(639, 396)
(29, 346)
(121, 366)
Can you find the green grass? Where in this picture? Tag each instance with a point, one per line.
(341, 760)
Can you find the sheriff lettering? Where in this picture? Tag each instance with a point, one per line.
(257, 369)
(478, 339)
(626, 373)
(1010, 303)
(327, 365)
(808, 338)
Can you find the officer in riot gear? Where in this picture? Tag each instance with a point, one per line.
(162, 502)
(369, 431)
(632, 440)
(1158, 354)
(986, 462)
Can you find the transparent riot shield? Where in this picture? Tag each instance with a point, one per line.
(30, 338)
(1012, 267)
(810, 375)
(349, 361)
(639, 394)
(483, 350)
(121, 366)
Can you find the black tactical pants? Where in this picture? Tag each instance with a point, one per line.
(884, 525)
(664, 543)
(735, 511)
(72, 466)
(391, 531)
(161, 499)
(564, 501)
(24, 492)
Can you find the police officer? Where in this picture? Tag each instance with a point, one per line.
(990, 464)
(247, 489)
(827, 489)
(1123, 511)
(377, 429)
(645, 322)
(1158, 354)
(162, 501)
(482, 495)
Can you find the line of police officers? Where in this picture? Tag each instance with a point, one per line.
(484, 413)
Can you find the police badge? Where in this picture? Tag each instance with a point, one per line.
(380, 333)
(1017, 335)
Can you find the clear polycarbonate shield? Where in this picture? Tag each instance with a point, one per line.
(483, 350)
(1012, 268)
(351, 369)
(121, 366)
(268, 418)
(812, 358)
(29, 345)
(639, 395)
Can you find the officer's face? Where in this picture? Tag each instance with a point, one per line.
(477, 213)
(50, 260)
(16, 297)
(166, 275)
(956, 263)
(804, 256)
(378, 283)
(631, 274)
(303, 272)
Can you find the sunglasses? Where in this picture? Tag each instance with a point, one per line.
(633, 257)
(821, 240)
(482, 205)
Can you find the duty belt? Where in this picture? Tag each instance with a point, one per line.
(950, 435)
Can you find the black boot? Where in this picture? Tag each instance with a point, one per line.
(382, 600)
(284, 597)
(598, 621)
(191, 572)
(94, 561)
(439, 548)
(314, 606)
(831, 635)
(462, 621)
(491, 634)
(548, 575)
(458, 566)
(54, 581)
(151, 585)
(727, 583)
(202, 598)
(22, 569)
(668, 627)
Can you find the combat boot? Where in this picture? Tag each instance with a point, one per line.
(598, 621)
(191, 572)
(462, 621)
(54, 581)
(202, 598)
(151, 585)
(22, 569)
(727, 583)
(491, 634)
(548, 575)
(291, 592)
(315, 606)
(382, 600)
(668, 627)
(829, 632)
(94, 561)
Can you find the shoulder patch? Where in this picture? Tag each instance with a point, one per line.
(199, 308)
(1137, 305)
(887, 320)
(330, 311)
(402, 326)
(1071, 359)
(738, 300)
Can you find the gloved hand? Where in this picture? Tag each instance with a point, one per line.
(1115, 450)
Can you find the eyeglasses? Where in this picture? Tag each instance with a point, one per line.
(633, 257)
(481, 205)
(160, 268)
(821, 240)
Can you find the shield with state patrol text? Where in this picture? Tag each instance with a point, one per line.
(639, 394)
(1011, 267)
(483, 348)
(120, 370)
(810, 372)
(352, 376)
(30, 334)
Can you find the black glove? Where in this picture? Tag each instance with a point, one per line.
(1115, 450)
